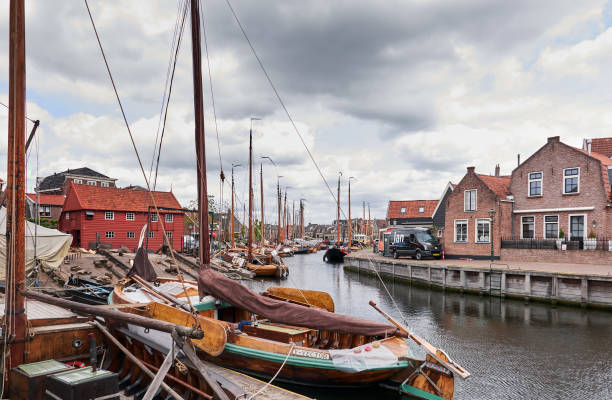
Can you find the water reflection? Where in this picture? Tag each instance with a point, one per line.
(514, 350)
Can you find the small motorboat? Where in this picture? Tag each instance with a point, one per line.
(334, 255)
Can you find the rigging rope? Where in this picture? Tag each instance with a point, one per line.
(144, 175)
(29, 119)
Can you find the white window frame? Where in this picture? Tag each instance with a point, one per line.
(169, 218)
(544, 225)
(104, 184)
(151, 234)
(571, 176)
(109, 215)
(467, 230)
(569, 225)
(44, 210)
(154, 217)
(403, 210)
(78, 181)
(475, 200)
(541, 180)
(127, 216)
(131, 235)
(92, 183)
(169, 235)
(67, 215)
(421, 209)
(110, 235)
(534, 226)
(479, 220)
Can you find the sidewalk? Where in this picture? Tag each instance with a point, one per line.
(560, 268)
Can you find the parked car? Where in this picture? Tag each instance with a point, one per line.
(414, 242)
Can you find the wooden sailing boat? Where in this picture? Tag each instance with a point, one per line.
(335, 254)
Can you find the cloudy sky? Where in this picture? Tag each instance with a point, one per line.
(402, 95)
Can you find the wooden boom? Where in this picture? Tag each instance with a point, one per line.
(428, 347)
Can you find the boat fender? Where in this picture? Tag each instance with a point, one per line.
(368, 348)
(76, 364)
(357, 351)
(376, 344)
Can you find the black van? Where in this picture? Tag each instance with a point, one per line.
(415, 242)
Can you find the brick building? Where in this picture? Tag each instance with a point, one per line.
(49, 205)
(468, 220)
(59, 182)
(563, 191)
(117, 216)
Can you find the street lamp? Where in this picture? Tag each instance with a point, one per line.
(492, 217)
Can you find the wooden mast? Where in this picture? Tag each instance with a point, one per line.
(278, 194)
(285, 217)
(338, 213)
(250, 237)
(349, 216)
(263, 225)
(15, 314)
(302, 217)
(198, 103)
(232, 219)
(363, 221)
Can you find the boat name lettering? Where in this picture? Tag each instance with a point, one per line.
(311, 354)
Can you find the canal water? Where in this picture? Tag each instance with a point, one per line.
(513, 349)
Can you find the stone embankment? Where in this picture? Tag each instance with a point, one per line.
(556, 283)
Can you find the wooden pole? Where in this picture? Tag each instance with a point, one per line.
(135, 359)
(117, 315)
(250, 238)
(198, 103)
(180, 382)
(263, 225)
(232, 219)
(338, 213)
(285, 217)
(278, 194)
(349, 216)
(15, 313)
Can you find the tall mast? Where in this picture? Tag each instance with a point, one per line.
(338, 213)
(15, 316)
(250, 238)
(263, 225)
(198, 103)
(363, 222)
(286, 217)
(369, 228)
(293, 221)
(302, 217)
(349, 216)
(232, 219)
(278, 194)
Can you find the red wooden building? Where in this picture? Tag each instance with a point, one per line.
(116, 216)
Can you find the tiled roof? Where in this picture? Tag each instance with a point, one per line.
(85, 197)
(50, 199)
(602, 146)
(412, 208)
(56, 180)
(500, 185)
(605, 162)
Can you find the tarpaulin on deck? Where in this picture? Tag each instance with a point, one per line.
(235, 293)
(51, 245)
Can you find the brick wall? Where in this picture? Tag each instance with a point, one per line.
(551, 159)
(558, 256)
(486, 200)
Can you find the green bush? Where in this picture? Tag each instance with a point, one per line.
(46, 222)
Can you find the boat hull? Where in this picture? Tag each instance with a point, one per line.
(334, 255)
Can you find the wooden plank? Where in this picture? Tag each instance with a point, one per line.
(161, 373)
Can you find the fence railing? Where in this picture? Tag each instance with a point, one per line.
(602, 244)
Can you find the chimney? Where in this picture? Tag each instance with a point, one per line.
(470, 170)
(589, 145)
(554, 139)
(518, 160)
(497, 170)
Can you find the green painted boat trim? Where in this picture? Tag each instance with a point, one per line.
(297, 361)
(413, 393)
(210, 305)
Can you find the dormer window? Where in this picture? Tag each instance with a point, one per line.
(91, 183)
(403, 210)
(422, 209)
(78, 181)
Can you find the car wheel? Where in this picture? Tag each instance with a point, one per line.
(418, 255)
(395, 255)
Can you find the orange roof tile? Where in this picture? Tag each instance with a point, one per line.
(605, 162)
(500, 185)
(412, 208)
(50, 199)
(602, 146)
(85, 197)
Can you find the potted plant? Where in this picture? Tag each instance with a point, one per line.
(561, 239)
(590, 243)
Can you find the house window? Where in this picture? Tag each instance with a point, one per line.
(551, 226)
(104, 184)
(78, 181)
(151, 234)
(110, 235)
(483, 229)
(403, 210)
(577, 226)
(571, 180)
(44, 211)
(129, 216)
(153, 217)
(109, 215)
(169, 235)
(169, 217)
(91, 183)
(421, 209)
(469, 200)
(130, 235)
(67, 215)
(535, 184)
(461, 228)
(527, 227)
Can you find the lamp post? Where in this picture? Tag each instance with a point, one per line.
(492, 216)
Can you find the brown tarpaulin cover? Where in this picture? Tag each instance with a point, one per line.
(218, 285)
(142, 266)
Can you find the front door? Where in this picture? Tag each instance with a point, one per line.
(577, 227)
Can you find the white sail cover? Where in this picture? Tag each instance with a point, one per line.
(51, 245)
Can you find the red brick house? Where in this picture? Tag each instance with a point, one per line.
(49, 205)
(563, 191)
(117, 216)
(468, 221)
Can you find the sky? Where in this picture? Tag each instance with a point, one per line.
(401, 95)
